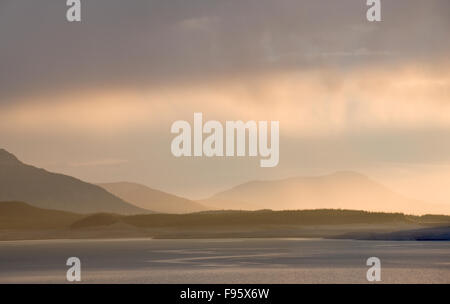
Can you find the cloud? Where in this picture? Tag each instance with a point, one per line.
(149, 43)
(201, 24)
(314, 102)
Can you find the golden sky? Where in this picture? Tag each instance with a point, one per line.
(96, 100)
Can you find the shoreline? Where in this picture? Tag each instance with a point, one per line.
(348, 232)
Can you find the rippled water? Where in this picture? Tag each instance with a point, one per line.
(224, 261)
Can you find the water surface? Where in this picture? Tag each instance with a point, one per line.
(224, 261)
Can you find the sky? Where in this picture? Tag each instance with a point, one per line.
(96, 99)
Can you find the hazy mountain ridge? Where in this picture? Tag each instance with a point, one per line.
(40, 188)
(340, 190)
(148, 198)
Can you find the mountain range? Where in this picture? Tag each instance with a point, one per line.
(340, 190)
(43, 189)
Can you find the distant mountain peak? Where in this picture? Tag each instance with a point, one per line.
(43, 189)
(7, 158)
(338, 190)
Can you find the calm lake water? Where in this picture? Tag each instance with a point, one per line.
(224, 261)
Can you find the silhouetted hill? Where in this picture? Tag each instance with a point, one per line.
(268, 217)
(341, 190)
(40, 188)
(155, 200)
(96, 220)
(19, 215)
(424, 234)
(21, 221)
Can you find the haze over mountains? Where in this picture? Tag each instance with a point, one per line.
(40, 188)
(147, 198)
(344, 190)
(341, 190)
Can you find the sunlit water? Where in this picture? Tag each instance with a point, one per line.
(224, 261)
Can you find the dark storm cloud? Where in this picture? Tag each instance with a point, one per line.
(135, 43)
